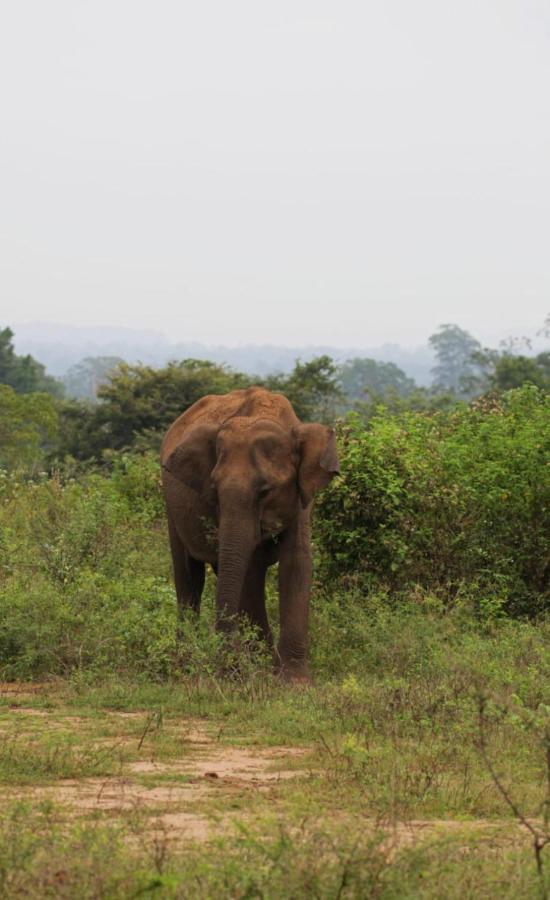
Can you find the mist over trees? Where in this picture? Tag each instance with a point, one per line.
(83, 380)
(61, 347)
(111, 405)
(455, 367)
(360, 378)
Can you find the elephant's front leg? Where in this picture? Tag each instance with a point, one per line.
(188, 576)
(253, 595)
(295, 569)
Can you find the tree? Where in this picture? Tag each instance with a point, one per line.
(510, 367)
(23, 373)
(28, 423)
(83, 380)
(504, 370)
(368, 379)
(138, 403)
(456, 366)
(312, 388)
(7, 355)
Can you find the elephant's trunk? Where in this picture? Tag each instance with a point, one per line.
(238, 535)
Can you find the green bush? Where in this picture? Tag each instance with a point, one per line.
(455, 502)
(85, 578)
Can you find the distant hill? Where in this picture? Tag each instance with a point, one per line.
(59, 347)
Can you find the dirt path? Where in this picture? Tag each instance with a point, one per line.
(164, 791)
(197, 789)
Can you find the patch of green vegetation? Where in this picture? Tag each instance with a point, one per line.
(30, 760)
(163, 778)
(40, 857)
(455, 503)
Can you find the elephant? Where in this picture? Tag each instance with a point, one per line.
(239, 474)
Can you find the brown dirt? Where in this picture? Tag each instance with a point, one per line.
(208, 765)
(259, 767)
(99, 794)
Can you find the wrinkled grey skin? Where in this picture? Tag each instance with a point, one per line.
(239, 473)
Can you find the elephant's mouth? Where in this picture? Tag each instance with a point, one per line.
(271, 529)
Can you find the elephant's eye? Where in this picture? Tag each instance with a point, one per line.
(264, 491)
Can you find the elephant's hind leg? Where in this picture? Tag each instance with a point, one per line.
(253, 595)
(188, 575)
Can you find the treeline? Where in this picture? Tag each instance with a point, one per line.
(134, 404)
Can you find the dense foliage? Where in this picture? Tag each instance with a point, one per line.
(83, 565)
(457, 502)
(313, 388)
(504, 371)
(28, 426)
(23, 373)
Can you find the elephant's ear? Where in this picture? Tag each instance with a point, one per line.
(193, 460)
(318, 459)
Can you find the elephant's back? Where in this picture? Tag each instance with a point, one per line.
(216, 409)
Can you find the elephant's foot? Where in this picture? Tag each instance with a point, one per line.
(292, 671)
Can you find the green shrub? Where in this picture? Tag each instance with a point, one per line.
(456, 502)
(85, 578)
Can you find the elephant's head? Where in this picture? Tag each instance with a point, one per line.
(255, 476)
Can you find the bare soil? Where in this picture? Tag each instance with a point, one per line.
(205, 768)
(177, 800)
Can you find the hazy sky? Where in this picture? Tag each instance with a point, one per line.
(295, 172)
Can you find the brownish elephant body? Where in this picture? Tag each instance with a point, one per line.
(239, 475)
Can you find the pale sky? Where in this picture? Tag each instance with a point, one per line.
(293, 172)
